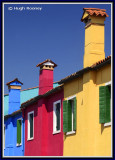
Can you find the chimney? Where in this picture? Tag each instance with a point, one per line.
(46, 76)
(14, 95)
(94, 35)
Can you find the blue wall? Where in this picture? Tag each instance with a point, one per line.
(14, 97)
(24, 96)
(11, 123)
(11, 136)
(14, 100)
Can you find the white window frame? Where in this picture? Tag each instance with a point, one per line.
(4, 134)
(71, 98)
(28, 137)
(109, 123)
(21, 133)
(54, 117)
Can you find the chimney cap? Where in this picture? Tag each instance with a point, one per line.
(16, 79)
(47, 60)
(94, 11)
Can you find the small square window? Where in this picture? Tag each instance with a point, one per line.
(57, 117)
(69, 115)
(30, 125)
(19, 131)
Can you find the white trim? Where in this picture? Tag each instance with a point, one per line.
(28, 137)
(71, 132)
(71, 97)
(55, 132)
(108, 83)
(54, 117)
(107, 124)
(17, 145)
(48, 63)
(21, 133)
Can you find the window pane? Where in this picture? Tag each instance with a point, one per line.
(58, 116)
(31, 125)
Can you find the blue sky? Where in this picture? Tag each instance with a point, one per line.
(55, 32)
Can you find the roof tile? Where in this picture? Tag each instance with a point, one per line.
(82, 71)
(96, 11)
(47, 60)
(16, 79)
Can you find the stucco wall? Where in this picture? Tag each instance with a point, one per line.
(24, 96)
(91, 138)
(44, 142)
(11, 137)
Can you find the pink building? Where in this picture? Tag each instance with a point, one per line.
(44, 116)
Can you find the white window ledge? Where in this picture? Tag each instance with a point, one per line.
(30, 139)
(18, 144)
(55, 132)
(72, 132)
(107, 124)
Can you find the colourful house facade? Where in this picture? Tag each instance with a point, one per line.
(91, 88)
(44, 116)
(25, 95)
(72, 117)
(12, 147)
(13, 122)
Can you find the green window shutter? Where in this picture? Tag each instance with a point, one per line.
(58, 116)
(31, 125)
(104, 104)
(74, 114)
(108, 97)
(65, 116)
(69, 115)
(18, 131)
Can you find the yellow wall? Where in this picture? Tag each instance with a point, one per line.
(91, 138)
(94, 41)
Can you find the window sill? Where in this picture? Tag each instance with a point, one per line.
(107, 124)
(18, 145)
(30, 139)
(72, 132)
(56, 132)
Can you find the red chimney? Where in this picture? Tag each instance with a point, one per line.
(46, 76)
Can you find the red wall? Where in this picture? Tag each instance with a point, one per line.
(44, 142)
(45, 81)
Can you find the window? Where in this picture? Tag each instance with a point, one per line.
(57, 117)
(69, 115)
(30, 125)
(19, 131)
(105, 104)
(4, 136)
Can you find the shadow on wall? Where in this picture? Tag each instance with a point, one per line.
(33, 107)
(103, 127)
(103, 75)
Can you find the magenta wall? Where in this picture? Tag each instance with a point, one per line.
(44, 142)
(45, 81)
(55, 141)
